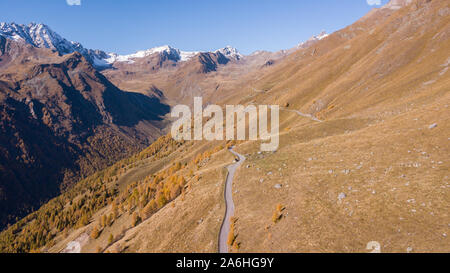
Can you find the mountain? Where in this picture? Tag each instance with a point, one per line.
(314, 39)
(176, 73)
(172, 54)
(41, 36)
(363, 155)
(60, 120)
(376, 167)
(230, 53)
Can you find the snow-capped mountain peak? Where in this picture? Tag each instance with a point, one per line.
(176, 54)
(39, 35)
(321, 36)
(397, 4)
(42, 36)
(313, 39)
(230, 52)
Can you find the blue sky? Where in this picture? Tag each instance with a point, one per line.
(125, 26)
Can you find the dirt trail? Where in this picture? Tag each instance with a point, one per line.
(302, 114)
(229, 211)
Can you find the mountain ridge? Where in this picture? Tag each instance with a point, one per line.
(60, 119)
(42, 36)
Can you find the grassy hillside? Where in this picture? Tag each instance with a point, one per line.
(375, 169)
(114, 200)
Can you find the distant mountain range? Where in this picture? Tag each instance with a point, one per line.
(42, 36)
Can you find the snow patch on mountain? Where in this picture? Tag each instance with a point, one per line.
(313, 39)
(176, 54)
(187, 55)
(397, 4)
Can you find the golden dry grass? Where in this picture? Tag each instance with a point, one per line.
(374, 170)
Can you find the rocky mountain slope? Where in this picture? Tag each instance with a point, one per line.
(208, 74)
(172, 54)
(178, 74)
(42, 36)
(61, 119)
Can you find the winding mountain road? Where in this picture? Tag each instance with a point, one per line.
(229, 210)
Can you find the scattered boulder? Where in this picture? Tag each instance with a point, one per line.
(278, 186)
(432, 126)
(269, 63)
(341, 196)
